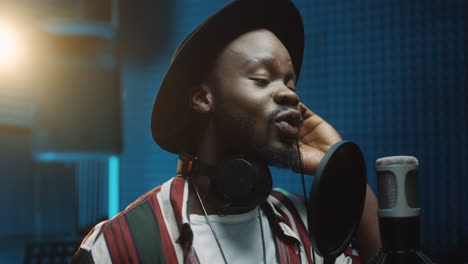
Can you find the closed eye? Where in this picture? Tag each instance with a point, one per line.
(260, 81)
(291, 86)
(290, 82)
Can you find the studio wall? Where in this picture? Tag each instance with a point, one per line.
(389, 75)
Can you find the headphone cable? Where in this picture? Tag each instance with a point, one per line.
(301, 168)
(209, 223)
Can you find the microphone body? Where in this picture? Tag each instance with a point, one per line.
(397, 181)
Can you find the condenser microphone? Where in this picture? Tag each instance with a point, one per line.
(397, 184)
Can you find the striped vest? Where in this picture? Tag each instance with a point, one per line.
(155, 229)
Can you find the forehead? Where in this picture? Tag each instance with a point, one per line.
(255, 45)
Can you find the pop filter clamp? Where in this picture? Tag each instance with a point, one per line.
(336, 200)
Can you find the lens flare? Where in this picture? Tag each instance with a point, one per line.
(8, 46)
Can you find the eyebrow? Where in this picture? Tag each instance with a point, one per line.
(270, 62)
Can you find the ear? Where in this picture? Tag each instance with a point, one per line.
(201, 99)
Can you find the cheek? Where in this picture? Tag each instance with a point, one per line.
(244, 99)
(260, 112)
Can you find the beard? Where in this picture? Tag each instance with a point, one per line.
(286, 158)
(236, 133)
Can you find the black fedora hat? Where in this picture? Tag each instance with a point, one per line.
(172, 120)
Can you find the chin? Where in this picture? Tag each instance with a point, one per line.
(284, 144)
(280, 153)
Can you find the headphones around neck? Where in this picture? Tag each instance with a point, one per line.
(237, 181)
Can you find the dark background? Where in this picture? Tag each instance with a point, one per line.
(389, 75)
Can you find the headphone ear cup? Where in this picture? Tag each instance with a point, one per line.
(264, 182)
(242, 183)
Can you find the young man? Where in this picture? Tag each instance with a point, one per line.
(229, 97)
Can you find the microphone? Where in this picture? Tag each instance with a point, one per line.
(398, 202)
(397, 184)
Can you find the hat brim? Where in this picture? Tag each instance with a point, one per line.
(171, 110)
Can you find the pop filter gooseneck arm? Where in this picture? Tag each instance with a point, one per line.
(336, 200)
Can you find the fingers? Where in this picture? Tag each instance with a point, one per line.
(311, 117)
(315, 129)
(305, 112)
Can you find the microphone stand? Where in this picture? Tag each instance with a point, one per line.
(400, 242)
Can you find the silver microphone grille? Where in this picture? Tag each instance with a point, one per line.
(397, 185)
(387, 190)
(397, 160)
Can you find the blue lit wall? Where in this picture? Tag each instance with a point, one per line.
(389, 75)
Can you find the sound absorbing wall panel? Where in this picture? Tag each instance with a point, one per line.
(391, 76)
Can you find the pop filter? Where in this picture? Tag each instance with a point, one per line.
(336, 200)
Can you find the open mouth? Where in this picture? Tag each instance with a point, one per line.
(288, 122)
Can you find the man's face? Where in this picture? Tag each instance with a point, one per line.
(255, 104)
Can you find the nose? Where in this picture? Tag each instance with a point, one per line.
(286, 96)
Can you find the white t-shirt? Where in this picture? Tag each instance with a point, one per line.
(240, 237)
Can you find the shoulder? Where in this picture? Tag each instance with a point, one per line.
(139, 211)
(289, 203)
(108, 239)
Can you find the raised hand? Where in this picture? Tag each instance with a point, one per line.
(315, 137)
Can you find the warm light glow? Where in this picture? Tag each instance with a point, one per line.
(8, 46)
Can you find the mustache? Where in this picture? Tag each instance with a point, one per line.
(271, 117)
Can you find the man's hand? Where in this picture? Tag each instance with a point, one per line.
(315, 137)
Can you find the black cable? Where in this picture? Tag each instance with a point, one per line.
(209, 223)
(261, 231)
(301, 168)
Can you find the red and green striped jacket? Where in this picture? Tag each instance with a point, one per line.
(155, 229)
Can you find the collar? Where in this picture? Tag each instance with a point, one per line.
(174, 201)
